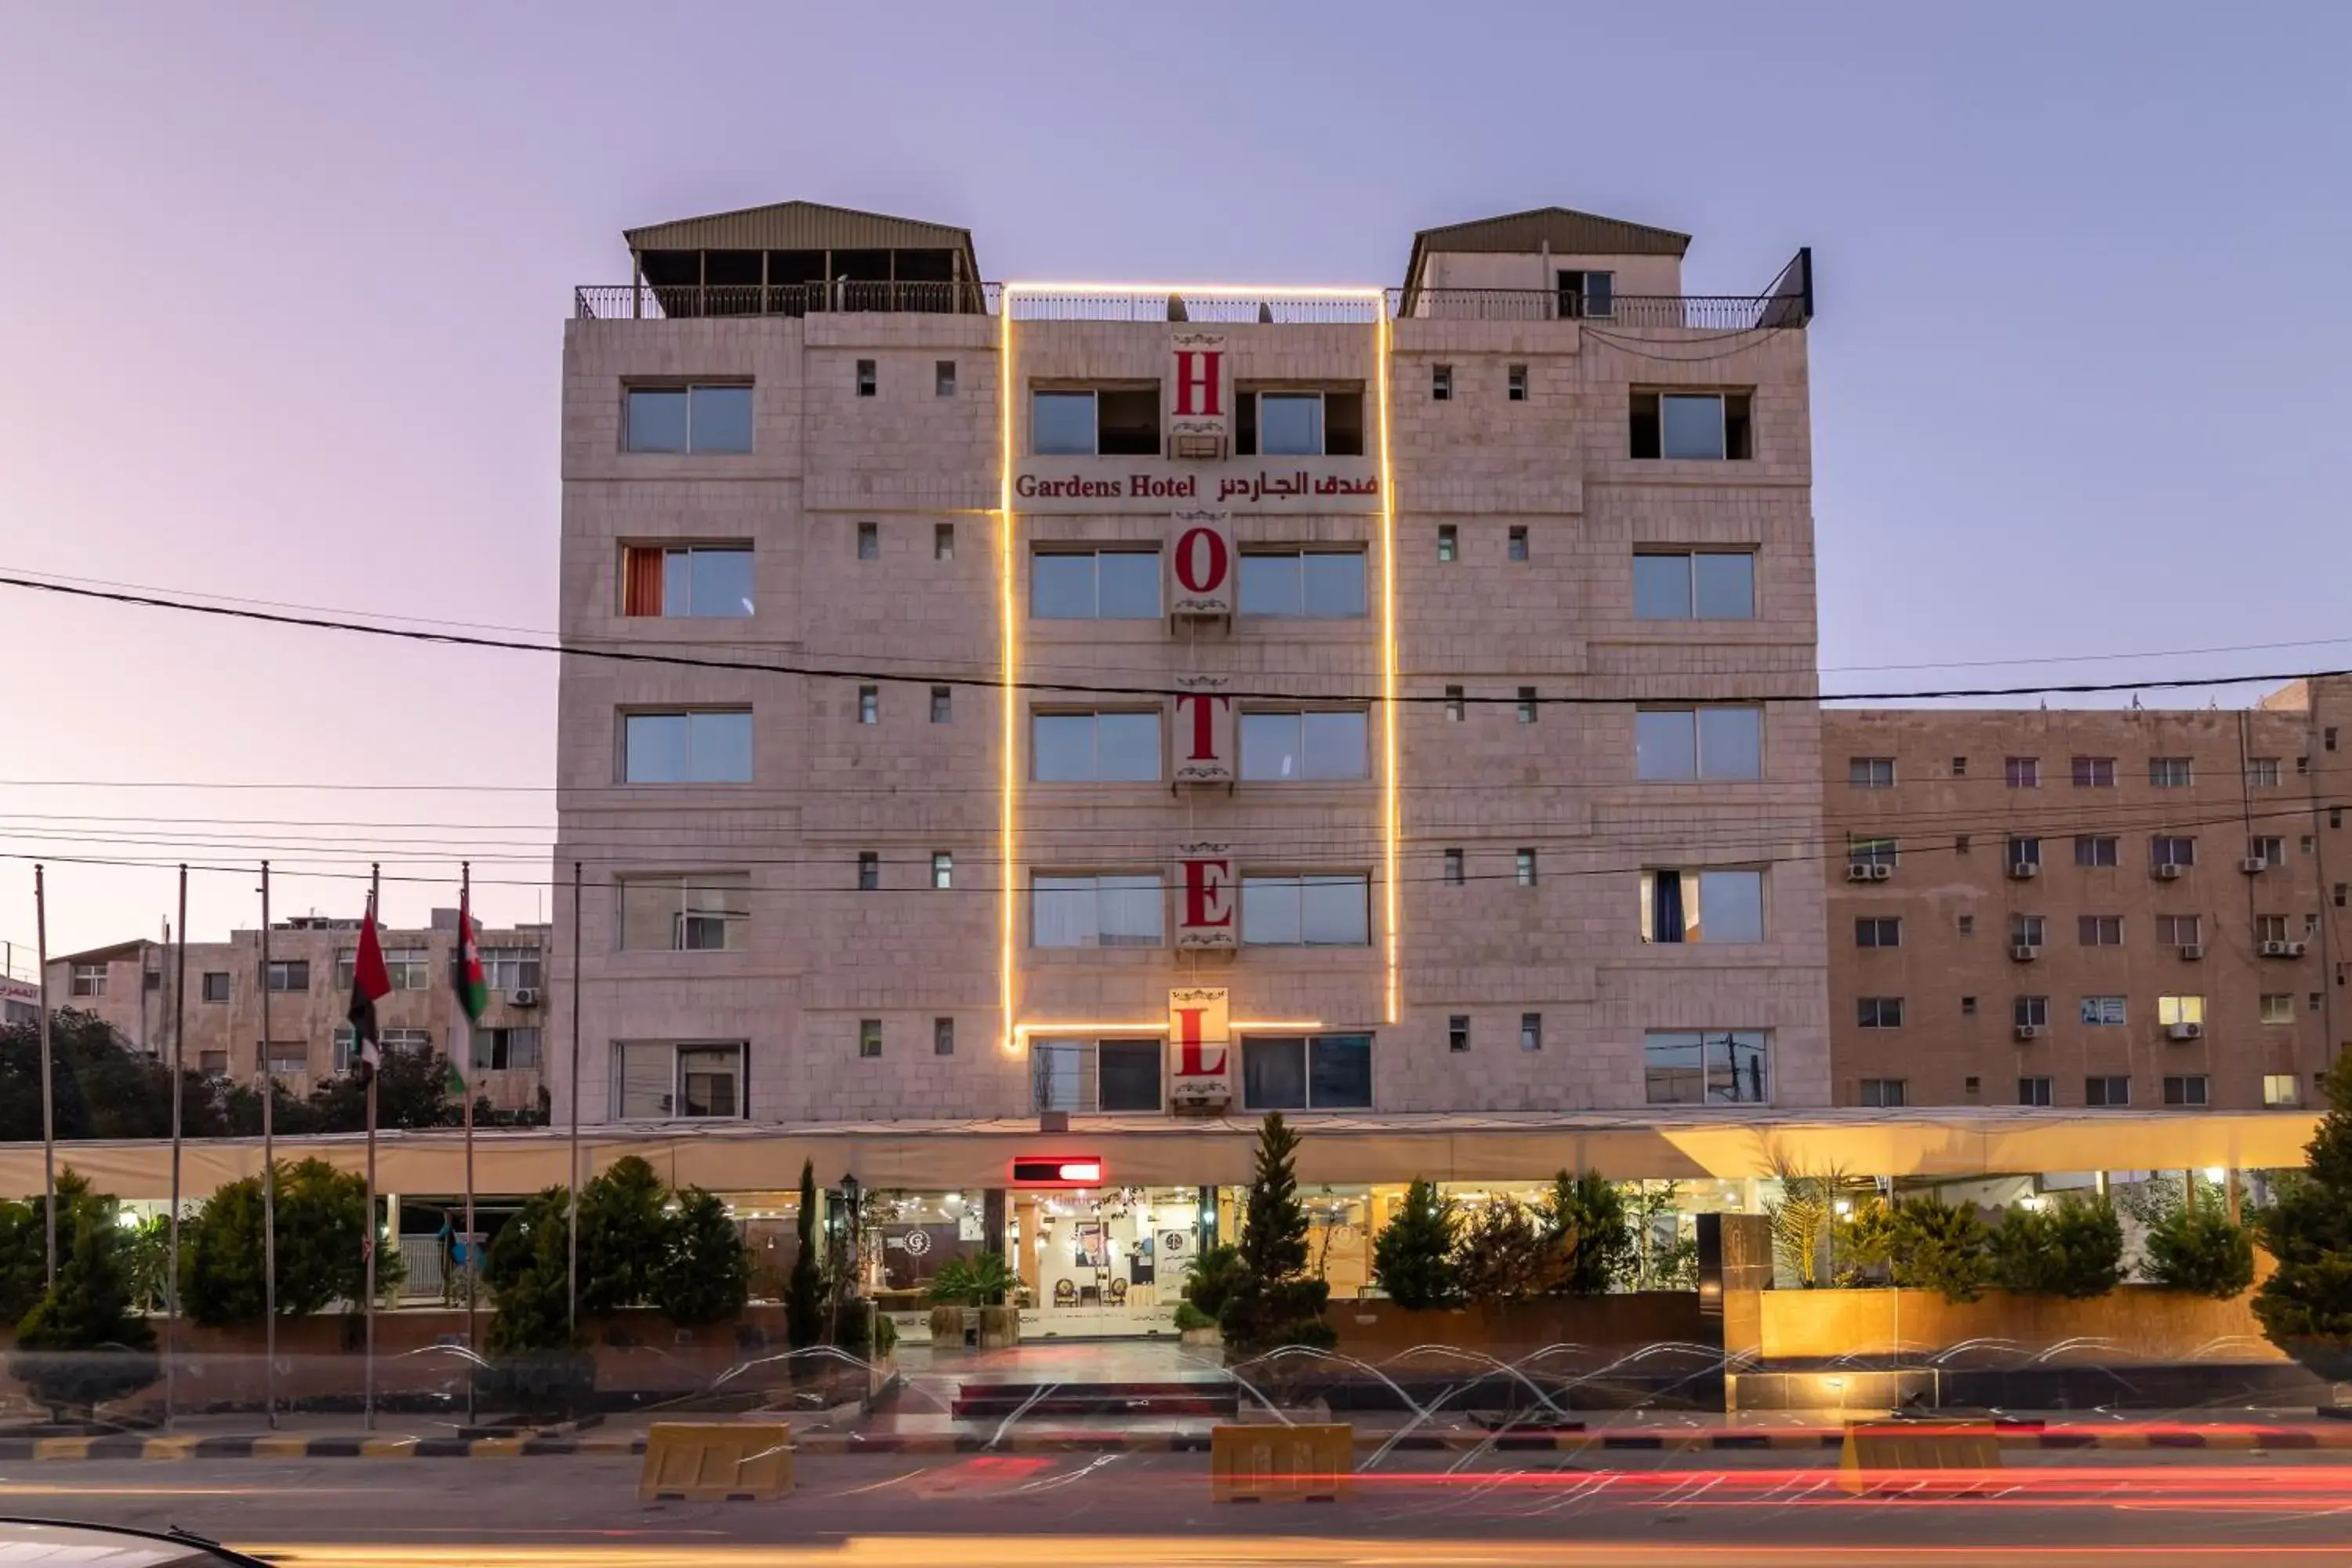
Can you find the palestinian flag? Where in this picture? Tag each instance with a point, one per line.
(472, 990)
(371, 983)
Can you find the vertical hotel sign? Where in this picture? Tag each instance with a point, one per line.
(1199, 405)
(1200, 1032)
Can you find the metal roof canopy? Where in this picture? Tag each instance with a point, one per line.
(797, 227)
(1563, 231)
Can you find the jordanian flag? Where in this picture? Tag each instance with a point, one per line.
(371, 984)
(472, 990)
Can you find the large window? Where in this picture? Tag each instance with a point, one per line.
(1298, 424)
(689, 419)
(1307, 912)
(215, 985)
(1308, 585)
(1714, 907)
(1292, 748)
(1109, 909)
(2103, 1012)
(510, 968)
(1094, 584)
(89, 980)
(1693, 585)
(290, 974)
(1095, 748)
(1699, 742)
(506, 1049)
(709, 746)
(1089, 1076)
(1110, 421)
(665, 1081)
(697, 582)
(1706, 1066)
(1317, 1072)
(704, 911)
(2171, 1010)
(1701, 425)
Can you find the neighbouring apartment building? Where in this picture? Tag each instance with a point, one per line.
(2090, 909)
(131, 987)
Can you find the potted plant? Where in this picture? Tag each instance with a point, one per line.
(965, 1289)
(1214, 1275)
(952, 1296)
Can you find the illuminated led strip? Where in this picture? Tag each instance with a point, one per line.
(1008, 660)
(1393, 713)
(1157, 1027)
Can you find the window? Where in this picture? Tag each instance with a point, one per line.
(2278, 1006)
(869, 542)
(411, 968)
(2172, 850)
(1879, 1012)
(2098, 849)
(2109, 1089)
(869, 871)
(943, 704)
(709, 746)
(1440, 383)
(2094, 773)
(1706, 1067)
(944, 378)
(2178, 931)
(212, 1063)
(1701, 425)
(1457, 1032)
(2022, 772)
(1967, 1007)
(2024, 851)
(1088, 1076)
(1698, 744)
(1885, 1093)
(89, 980)
(669, 1082)
(1515, 383)
(1447, 541)
(1109, 422)
(1455, 704)
(1319, 1072)
(1717, 906)
(1870, 772)
(1531, 1031)
(2268, 849)
(1305, 747)
(1516, 543)
(2168, 772)
(1104, 911)
(1298, 424)
(2032, 1012)
(1960, 844)
(287, 1059)
(1094, 584)
(1308, 910)
(1523, 867)
(1527, 704)
(1453, 874)
(289, 975)
(506, 969)
(688, 419)
(2028, 931)
(943, 542)
(1968, 925)
(2262, 772)
(942, 869)
(506, 1049)
(1871, 851)
(2033, 1091)
(2270, 928)
(867, 381)
(943, 1036)
(1095, 748)
(869, 1037)
(1878, 931)
(1959, 767)
(2102, 1012)
(2186, 1088)
(869, 705)
(215, 985)
(1583, 294)
(2279, 1090)
(2171, 1010)
(694, 582)
(2099, 930)
(705, 911)
(1308, 584)
(1693, 585)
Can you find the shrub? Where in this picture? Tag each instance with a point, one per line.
(706, 1275)
(1412, 1259)
(1189, 1318)
(1215, 1274)
(537, 1361)
(1586, 1216)
(1934, 1246)
(2308, 1228)
(1506, 1255)
(981, 1282)
(82, 1343)
(2073, 1248)
(25, 1243)
(321, 1225)
(624, 1237)
(1274, 1302)
(2200, 1250)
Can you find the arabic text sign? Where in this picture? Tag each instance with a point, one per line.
(1298, 486)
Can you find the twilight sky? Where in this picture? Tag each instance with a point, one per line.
(287, 286)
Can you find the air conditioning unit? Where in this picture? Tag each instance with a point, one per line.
(2253, 865)
(2029, 1031)
(2167, 872)
(2024, 871)
(2294, 949)
(1862, 871)
(2274, 949)
(2184, 1031)
(2024, 952)
(2193, 951)
(524, 996)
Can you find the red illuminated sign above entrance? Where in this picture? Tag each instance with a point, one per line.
(1058, 1170)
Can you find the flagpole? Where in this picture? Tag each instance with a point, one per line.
(572, 1170)
(269, 1184)
(375, 1231)
(179, 1059)
(48, 1094)
(473, 1262)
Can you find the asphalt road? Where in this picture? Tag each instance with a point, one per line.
(1144, 1510)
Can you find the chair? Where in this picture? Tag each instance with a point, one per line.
(1118, 1292)
(1066, 1293)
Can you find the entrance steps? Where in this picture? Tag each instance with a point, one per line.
(976, 1401)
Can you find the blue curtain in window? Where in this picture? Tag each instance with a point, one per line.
(1665, 906)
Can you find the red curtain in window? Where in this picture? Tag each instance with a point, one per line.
(641, 587)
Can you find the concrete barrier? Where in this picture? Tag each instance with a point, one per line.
(1941, 1454)
(714, 1461)
(1270, 1463)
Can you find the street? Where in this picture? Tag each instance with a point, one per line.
(1154, 1509)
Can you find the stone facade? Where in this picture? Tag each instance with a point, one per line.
(1965, 783)
(816, 960)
